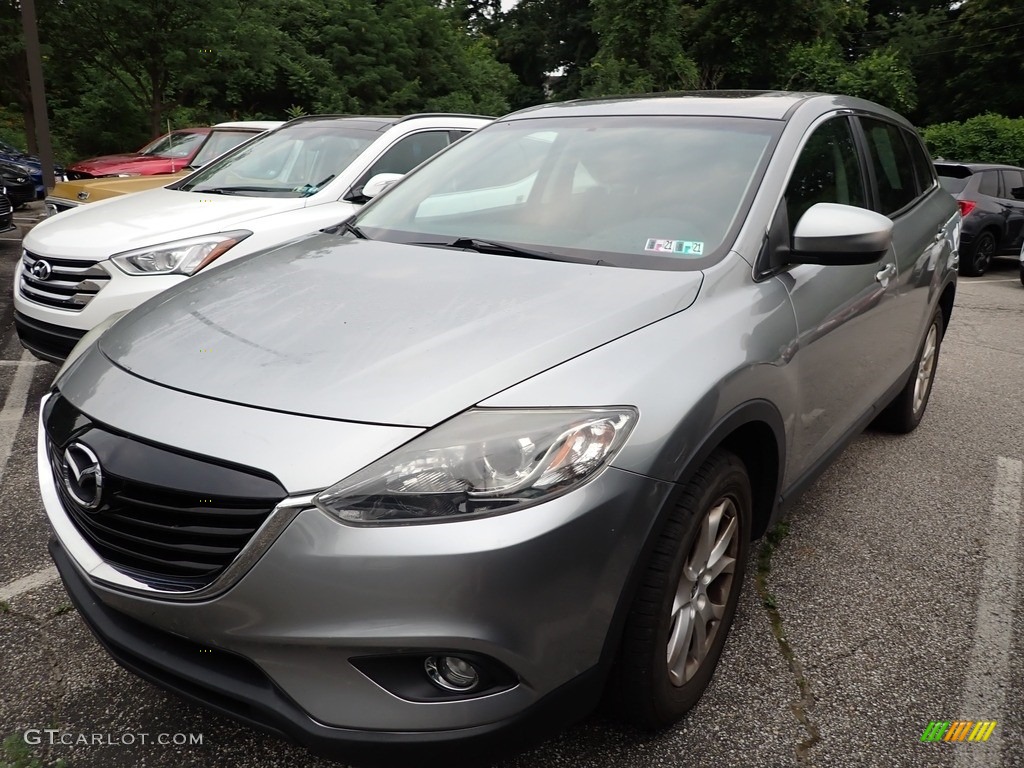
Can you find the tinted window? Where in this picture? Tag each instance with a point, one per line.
(922, 163)
(826, 172)
(1012, 181)
(989, 183)
(893, 165)
(409, 152)
(952, 184)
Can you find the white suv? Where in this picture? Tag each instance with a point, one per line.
(89, 263)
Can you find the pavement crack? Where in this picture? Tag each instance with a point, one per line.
(803, 707)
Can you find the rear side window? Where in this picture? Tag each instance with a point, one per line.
(922, 163)
(989, 183)
(1013, 185)
(894, 168)
(952, 184)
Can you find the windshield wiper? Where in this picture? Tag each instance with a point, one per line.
(236, 190)
(499, 249)
(345, 226)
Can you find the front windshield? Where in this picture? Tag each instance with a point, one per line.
(626, 190)
(295, 161)
(220, 140)
(175, 144)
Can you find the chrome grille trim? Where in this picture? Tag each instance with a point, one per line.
(71, 285)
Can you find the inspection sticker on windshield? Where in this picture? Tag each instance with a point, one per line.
(684, 247)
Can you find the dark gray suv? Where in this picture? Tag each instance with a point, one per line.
(450, 470)
(991, 200)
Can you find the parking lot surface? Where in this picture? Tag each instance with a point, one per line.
(891, 599)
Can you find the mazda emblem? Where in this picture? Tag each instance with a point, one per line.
(41, 270)
(81, 475)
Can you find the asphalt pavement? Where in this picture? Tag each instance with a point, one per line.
(892, 599)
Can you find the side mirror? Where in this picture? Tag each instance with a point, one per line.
(836, 234)
(378, 184)
(1018, 193)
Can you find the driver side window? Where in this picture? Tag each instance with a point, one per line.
(827, 171)
(406, 154)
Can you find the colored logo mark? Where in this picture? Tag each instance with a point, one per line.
(958, 730)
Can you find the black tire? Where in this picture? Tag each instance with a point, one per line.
(1022, 274)
(906, 410)
(981, 255)
(643, 684)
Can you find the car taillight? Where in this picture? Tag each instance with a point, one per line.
(966, 206)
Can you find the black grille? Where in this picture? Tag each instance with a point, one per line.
(70, 284)
(5, 206)
(171, 521)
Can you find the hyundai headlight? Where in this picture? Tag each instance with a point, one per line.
(484, 461)
(180, 257)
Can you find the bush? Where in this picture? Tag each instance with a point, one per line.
(986, 138)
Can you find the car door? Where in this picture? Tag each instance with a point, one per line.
(842, 358)
(1012, 199)
(907, 192)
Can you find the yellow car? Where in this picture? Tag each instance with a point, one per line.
(222, 138)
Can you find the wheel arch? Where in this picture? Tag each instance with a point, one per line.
(755, 432)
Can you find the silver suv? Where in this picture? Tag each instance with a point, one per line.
(448, 471)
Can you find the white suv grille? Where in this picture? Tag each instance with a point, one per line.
(60, 283)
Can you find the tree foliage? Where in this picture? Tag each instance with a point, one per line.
(985, 138)
(120, 71)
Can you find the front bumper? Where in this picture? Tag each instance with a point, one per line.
(537, 592)
(234, 687)
(46, 341)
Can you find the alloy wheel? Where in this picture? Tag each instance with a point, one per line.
(703, 591)
(926, 368)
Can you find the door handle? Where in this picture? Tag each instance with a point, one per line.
(887, 272)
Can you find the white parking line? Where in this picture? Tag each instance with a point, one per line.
(988, 672)
(14, 407)
(28, 583)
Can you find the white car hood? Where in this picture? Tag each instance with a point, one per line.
(99, 230)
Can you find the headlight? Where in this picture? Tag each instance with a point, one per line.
(126, 175)
(482, 462)
(181, 257)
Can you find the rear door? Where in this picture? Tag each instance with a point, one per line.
(1011, 197)
(907, 191)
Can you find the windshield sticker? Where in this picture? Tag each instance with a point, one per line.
(684, 247)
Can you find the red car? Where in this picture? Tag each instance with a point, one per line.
(168, 154)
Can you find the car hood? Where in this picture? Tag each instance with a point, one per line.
(129, 163)
(101, 189)
(150, 217)
(382, 333)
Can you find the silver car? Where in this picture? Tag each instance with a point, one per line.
(442, 475)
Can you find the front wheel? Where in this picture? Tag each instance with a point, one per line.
(905, 412)
(684, 607)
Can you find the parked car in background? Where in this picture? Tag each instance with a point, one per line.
(222, 138)
(31, 165)
(18, 183)
(6, 213)
(991, 200)
(113, 255)
(167, 154)
(444, 473)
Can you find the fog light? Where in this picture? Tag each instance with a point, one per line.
(452, 673)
